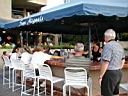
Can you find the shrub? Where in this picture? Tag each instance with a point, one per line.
(60, 47)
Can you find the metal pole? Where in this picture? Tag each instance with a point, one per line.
(89, 42)
(36, 39)
(61, 40)
(27, 38)
(31, 40)
(21, 39)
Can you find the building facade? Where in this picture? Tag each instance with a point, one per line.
(5, 9)
(17, 9)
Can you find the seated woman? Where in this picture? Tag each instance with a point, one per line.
(5, 54)
(96, 52)
(39, 57)
(14, 57)
(15, 54)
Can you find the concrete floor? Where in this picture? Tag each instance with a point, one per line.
(5, 91)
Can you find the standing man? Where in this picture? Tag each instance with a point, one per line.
(112, 61)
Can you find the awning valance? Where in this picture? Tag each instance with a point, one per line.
(76, 8)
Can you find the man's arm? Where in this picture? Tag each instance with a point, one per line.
(103, 68)
(57, 57)
(122, 63)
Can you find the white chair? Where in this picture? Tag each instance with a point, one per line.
(17, 65)
(75, 77)
(46, 74)
(124, 86)
(28, 73)
(7, 64)
(90, 83)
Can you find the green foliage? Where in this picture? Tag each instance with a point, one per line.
(72, 39)
(126, 49)
(124, 36)
(6, 47)
(60, 47)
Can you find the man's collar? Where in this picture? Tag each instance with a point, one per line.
(111, 40)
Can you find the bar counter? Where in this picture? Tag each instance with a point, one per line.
(94, 70)
(93, 65)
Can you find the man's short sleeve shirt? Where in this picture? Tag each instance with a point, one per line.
(113, 53)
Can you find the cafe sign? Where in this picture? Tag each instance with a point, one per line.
(31, 21)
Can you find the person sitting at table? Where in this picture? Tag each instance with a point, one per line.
(5, 54)
(26, 55)
(79, 60)
(79, 49)
(56, 53)
(15, 55)
(38, 58)
(96, 52)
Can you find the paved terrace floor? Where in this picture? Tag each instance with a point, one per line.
(5, 91)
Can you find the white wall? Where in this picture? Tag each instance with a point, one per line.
(124, 44)
(52, 3)
(5, 9)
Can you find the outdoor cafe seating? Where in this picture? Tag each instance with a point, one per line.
(75, 77)
(58, 64)
(7, 64)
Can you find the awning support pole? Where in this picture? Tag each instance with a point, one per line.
(21, 39)
(27, 38)
(61, 39)
(89, 42)
(36, 39)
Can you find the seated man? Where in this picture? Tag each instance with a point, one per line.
(78, 60)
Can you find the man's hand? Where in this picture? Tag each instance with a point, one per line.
(100, 79)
